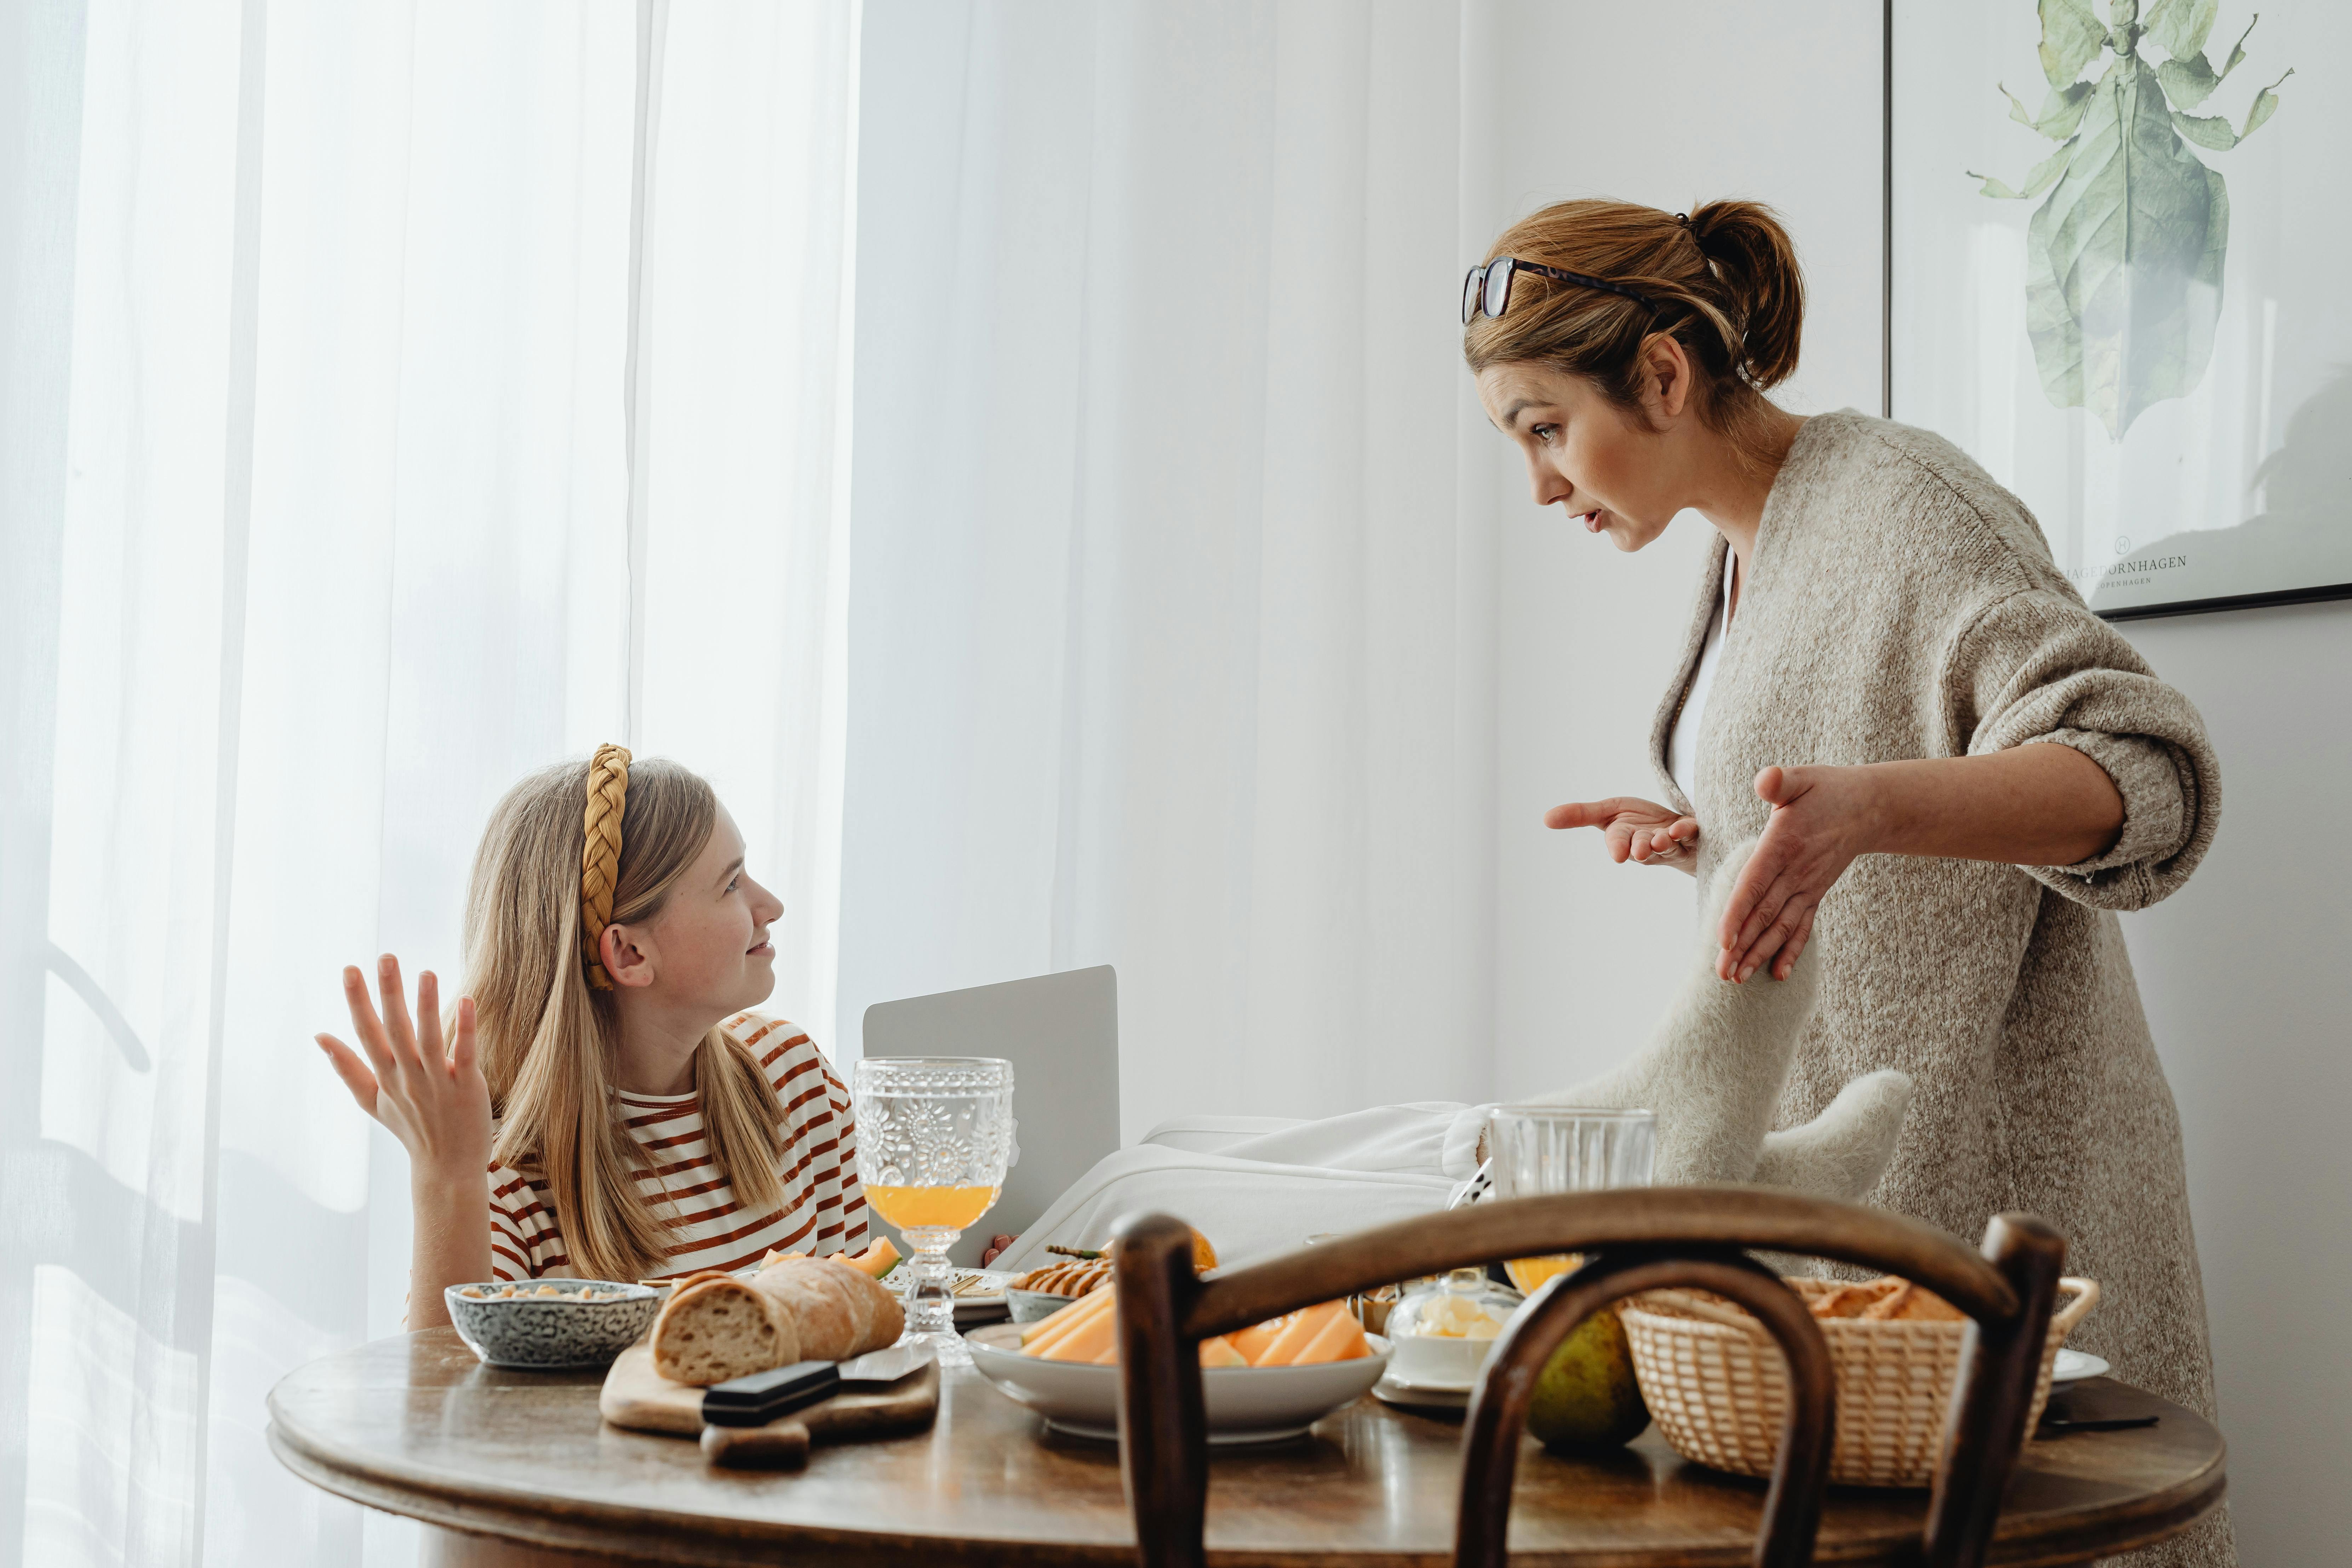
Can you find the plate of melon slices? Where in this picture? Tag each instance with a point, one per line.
(1259, 1384)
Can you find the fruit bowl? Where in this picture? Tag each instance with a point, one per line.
(1245, 1403)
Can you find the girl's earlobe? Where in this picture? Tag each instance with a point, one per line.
(623, 960)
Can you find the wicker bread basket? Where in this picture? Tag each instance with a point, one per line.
(1717, 1384)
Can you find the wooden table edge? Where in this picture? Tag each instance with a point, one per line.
(570, 1524)
(573, 1524)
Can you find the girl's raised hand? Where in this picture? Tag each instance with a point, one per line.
(434, 1101)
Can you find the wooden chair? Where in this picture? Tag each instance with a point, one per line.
(1633, 1239)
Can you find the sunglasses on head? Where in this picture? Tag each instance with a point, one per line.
(1488, 288)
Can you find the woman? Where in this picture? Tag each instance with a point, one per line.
(646, 1123)
(1959, 772)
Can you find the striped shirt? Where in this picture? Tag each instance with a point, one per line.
(823, 1208)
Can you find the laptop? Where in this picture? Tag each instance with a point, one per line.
(1060, 1032)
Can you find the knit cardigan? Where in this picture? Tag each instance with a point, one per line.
(1899, 604)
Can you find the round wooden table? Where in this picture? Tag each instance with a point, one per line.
(511, 1468)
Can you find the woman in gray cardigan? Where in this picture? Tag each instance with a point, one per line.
(1960, 773)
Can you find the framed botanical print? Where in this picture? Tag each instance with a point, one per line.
(2119, 256)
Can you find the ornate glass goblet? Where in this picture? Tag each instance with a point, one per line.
(933, 1137)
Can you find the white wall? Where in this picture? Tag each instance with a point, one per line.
(2248, 991)
(1733, 102)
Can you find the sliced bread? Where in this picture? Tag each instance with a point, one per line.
(721, 1328)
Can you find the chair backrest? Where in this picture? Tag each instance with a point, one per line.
(1633, 1239)
(1060, 1032)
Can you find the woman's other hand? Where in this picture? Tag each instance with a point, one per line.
(2033, 805)
(433, 1099)
(1822, 818)
(1638, 830)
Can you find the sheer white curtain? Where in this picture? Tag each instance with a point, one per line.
(393, 399)
(1172, 631)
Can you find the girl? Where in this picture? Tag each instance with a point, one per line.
(635, 1119)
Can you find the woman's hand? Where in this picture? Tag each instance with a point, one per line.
(2034, 805)
(1821, 820)
(434, 1101)
(1639, 830)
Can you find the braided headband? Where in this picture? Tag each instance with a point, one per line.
(600, 852)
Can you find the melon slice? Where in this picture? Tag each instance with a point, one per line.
(1220, 1351)
(1298, 1333)
(1341, 1340)
(1251, 1343)
(875, 1260)
(1038, 1338)
(1089, 1341)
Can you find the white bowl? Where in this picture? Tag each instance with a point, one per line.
(1435, 1361)
(1245, 1403)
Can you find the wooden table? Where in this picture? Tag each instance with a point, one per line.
(490, 1458)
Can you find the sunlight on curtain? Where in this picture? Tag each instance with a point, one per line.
(743, 608)
(1172, 631)
(317, 503)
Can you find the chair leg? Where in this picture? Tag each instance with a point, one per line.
(1498, 1409)
(1163, 1427)
(1985, 1431)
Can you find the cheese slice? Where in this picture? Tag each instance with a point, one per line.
(1298, 1333)
(1341, 1340)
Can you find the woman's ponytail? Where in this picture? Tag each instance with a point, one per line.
(1722, 280)
(1751, 254)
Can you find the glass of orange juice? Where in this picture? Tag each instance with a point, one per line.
(1538, 1148)
(934, 1135)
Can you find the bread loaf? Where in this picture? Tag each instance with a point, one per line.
(716, 1328)
(799, 1308)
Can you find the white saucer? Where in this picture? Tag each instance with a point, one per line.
(2072, 1366)
(1421, 1395)
(1216, 1439)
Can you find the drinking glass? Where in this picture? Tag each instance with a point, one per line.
(1538, 1148)
(933, 1136)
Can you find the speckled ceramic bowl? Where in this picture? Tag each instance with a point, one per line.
(541, 1333)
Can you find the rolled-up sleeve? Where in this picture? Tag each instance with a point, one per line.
(2036, 666)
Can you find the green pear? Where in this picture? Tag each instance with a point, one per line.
(1586, 1398)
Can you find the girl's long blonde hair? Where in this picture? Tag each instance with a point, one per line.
(548, 1038)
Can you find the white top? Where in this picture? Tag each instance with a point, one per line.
(1682, 746)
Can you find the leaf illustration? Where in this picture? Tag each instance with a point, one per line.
(2215, 132)
(2070, 36)
(2124, 255)
(2189, 80)
(2045, 174)
(2125, 258)
(2181, 26)
(2062, 111)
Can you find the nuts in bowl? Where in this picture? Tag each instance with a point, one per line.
(543, 1325)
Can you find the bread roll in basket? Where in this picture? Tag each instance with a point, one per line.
(1715, 1380)
(796, 1309)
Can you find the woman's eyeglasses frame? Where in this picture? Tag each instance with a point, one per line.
(1489, 286)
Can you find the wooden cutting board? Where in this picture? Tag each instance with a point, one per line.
(638, 1397)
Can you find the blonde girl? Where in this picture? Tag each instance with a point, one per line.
(634, 1116)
